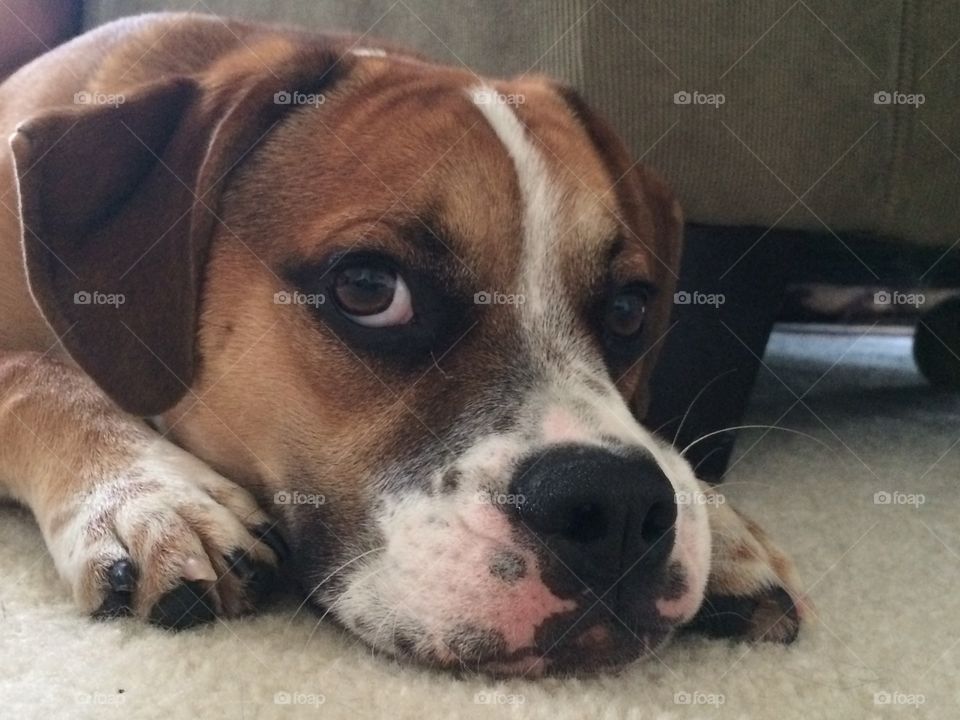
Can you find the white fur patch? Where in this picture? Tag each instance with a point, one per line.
(541, 203)
(433, 575)
(566, 410)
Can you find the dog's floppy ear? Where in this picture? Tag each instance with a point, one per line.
(118, 206)
(106, 203)
(641, 193)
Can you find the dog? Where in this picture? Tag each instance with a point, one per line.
(273, 300)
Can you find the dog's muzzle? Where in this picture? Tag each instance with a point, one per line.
(603, 526)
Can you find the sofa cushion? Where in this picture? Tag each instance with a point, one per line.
(758, 113)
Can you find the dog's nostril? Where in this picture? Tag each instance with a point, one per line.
(598, 513)
(586, 523)
(659, 520)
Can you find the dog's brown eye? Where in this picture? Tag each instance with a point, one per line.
(374, 296)
(625, 312)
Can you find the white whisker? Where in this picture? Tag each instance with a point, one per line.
(338, 600)
(757, 427)
(328, 578)
(694, 402)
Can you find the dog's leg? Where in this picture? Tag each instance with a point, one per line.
(753, 591)
(134, 523)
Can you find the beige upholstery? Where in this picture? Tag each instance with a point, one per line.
(798, 80)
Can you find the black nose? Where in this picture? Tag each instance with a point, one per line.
(602, 515)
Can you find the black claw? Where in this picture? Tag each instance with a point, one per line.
(270, 536)
(768, 615)
(114, 605)
(724, 616)
(785, 609)
(186, 605)
(122, 576)
(259, 578)
(241, 565)
(122, 579)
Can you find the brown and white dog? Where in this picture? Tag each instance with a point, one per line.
(386, 321)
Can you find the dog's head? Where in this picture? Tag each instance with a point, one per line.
(411, 310)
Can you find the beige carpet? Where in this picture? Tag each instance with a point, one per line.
(884, 577)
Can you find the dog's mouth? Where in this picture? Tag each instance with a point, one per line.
(589, 639)
(570, 645)
(574, 572)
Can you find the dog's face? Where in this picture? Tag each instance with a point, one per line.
(427, 306)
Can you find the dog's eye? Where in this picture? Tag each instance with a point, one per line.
(625, 311)
(373, 295)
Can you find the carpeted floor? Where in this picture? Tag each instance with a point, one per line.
(884, 578)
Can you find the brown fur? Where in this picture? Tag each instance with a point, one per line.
(198, 198)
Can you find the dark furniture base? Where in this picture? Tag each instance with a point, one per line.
(712, 354)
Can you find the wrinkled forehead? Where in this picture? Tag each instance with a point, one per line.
(498, 177)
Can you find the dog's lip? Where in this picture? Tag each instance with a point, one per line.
(566, 658)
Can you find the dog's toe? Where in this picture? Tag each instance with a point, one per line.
(268, 534)
(187, 605)
(770, 615)
(257, 576)
(122, 581)
(776, 618)
(122, 576)
(174, 543)
(753, 592)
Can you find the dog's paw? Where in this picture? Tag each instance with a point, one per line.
(753, 592)
(167, 540)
